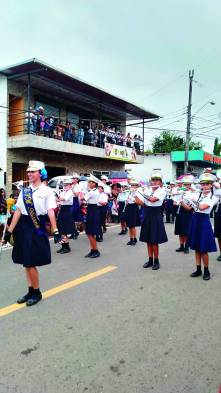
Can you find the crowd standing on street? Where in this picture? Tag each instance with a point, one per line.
(187, 202)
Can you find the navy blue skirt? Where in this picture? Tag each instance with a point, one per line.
(153, 229)
(102, 213)
(93, 220)
(65, 220)
(183, 222)
(217, 222)
(30, 249)
(132, 215)
(201, 237)
(121, 211)
(76, 211)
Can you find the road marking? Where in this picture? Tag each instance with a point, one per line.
(54, 291)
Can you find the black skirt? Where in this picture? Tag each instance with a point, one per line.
(121, 212)
(76, 210)
(92, 221)
(102, 213)
(183, 222)
(30, 249)
(132, 215)
(65, 221)
(217, 222)
(152, 229)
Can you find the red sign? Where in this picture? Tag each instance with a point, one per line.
(211, 158)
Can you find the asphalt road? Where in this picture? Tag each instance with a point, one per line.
(126, 331)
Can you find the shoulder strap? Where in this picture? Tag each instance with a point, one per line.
(30, 208)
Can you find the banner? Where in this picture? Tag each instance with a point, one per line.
(116, 152)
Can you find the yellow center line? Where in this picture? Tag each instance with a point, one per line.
(54, 291)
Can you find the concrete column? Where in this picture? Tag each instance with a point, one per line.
(3, 128)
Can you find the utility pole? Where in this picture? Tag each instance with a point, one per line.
(189, 107)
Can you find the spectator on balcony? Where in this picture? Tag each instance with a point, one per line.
(29, 116)
(74, 137)
(67, 132)
(136, 143)
(47, 128)
(80, 135)
(52, 126)
(128, 140)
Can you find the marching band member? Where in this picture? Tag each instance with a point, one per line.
(201, 236)
(169, 206)
(217, 215)
(31, 246)
(102, 209)
(132, 213)
(93, 219)
(184, 215)
(107, 191)
(65, 219)
(121, 200)
(152, 230)
(76, 205)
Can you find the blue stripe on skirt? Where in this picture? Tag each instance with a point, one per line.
(93, 220)
(132, 215)
(183, 222)
(217, 223)
(153, 229)
(29, 249)
(65, 221)
(201, 237)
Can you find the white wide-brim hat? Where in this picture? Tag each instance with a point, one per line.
(35, 166)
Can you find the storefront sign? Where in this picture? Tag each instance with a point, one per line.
(211, 158)
(116, 152)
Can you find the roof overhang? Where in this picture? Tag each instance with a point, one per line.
(57, 83)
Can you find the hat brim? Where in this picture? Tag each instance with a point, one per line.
(33, 169)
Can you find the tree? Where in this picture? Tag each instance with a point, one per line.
(217, 147)
(167, 141)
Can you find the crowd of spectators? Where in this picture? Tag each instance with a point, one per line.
(52, 127)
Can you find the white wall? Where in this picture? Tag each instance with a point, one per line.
(153, 162)
(3, 128)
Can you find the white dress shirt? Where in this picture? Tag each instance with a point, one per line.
(160, 193)
(103, 198)
(43, 198)
(92, 196)
(68, 198)
(209, 200)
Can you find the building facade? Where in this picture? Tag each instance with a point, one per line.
(171, 164)
(27, 89)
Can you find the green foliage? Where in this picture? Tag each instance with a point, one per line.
(167, 141)
(217, 147)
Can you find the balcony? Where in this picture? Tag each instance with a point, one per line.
(111, 151)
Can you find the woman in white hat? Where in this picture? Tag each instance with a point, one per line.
(152, 229)
(132, 213)
(31, 246)
(201, 237)
(76, 211)
(102, 209)
(93, 218)
(65, 218)
(184, 215)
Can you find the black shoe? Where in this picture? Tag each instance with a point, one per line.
(95, 254)
(180, 249)
(219, 259)
(148, 264)
(99, 239)
(156, 265)
(104, 229)
(89, 254)
(59, 251)
(135, 240)
(122, 232)
(26, 297)
(206, 275)
(130, 243)
(65, 251)
(186, 250)
(36, 297)
(197, 273)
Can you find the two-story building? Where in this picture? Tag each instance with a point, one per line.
(37, 102)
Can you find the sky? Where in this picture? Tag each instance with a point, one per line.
(140, 50)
